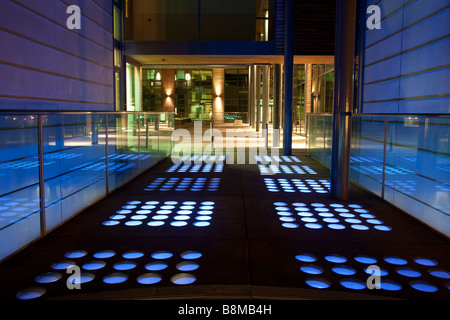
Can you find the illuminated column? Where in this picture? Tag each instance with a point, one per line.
(308, 88)
(168, 85)
(218, 84)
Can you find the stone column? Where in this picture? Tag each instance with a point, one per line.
(218, 84)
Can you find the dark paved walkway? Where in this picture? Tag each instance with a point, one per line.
(254, 242)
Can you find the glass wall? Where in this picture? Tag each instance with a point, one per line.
(53, 166)
(298, 97)
(319, 135)
(313, 93)
(20, 221)
(74, 164)
(201, 95)
(152, 99)
(236, 95)
(322, 88)
(403, 159)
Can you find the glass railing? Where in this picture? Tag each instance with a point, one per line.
(404, 159)
(318, 143)
(54, 165)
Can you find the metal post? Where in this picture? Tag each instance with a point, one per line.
(265, 95)
(258, 96)
(343, 98)
(288, 75)
(254, 98)
(147, 131)
(41, 174)
(383, 178)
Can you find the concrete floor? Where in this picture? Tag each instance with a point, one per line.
(253, 242)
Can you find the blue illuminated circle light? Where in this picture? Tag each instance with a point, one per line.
(317, 215)
(285, 168)
(162, 213)
(393, 267)
(297, 185)
(184, 184)
(122, 268)
(194, 168)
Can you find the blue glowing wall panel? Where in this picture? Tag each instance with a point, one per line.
(406, 62)
(44, 65)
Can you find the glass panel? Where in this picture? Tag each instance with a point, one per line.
(328, 139)
(149, 140)
(416, 173)
(417, 161)
(166, 126)
(74, 164)
(19, 183)
(366, 154)
(123, 151)
(317, 136)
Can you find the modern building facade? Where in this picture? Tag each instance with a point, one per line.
(223, 61)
